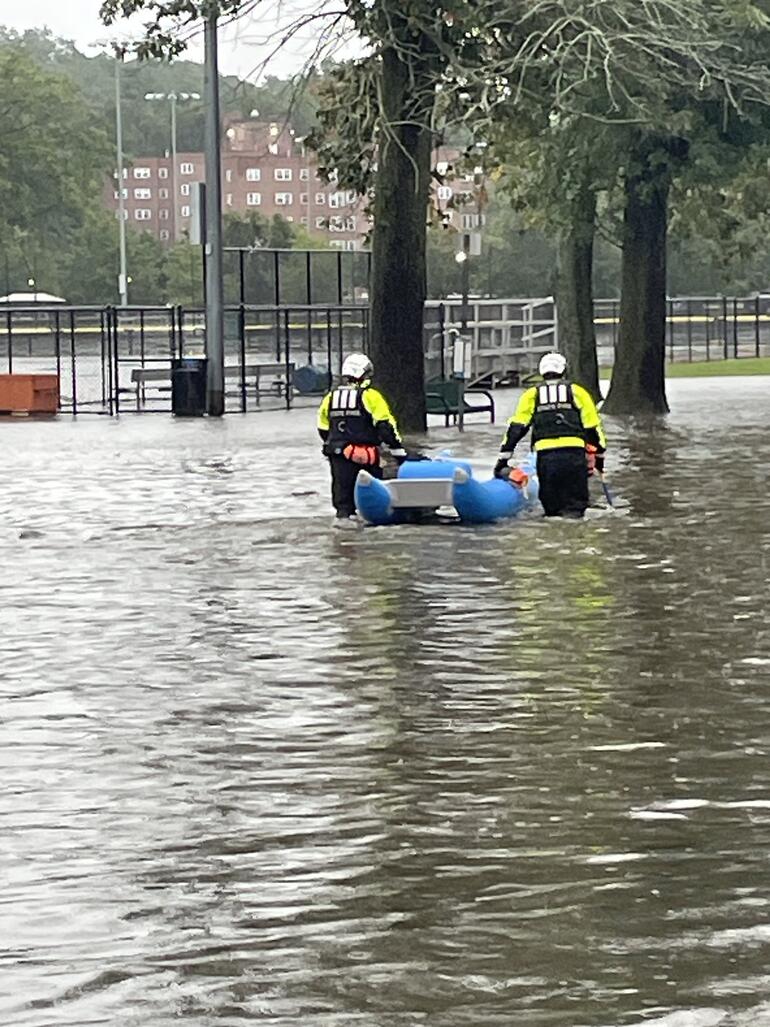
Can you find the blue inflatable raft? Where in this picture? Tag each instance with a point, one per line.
(423, 486)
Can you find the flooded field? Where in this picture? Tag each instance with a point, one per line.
(258, 770)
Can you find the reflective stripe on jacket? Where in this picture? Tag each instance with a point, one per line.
(561, 414)
(359, 415)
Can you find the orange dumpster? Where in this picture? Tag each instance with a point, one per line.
(29, 394)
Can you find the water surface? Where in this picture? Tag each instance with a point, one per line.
(258, 770)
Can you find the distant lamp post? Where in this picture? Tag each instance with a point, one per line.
(123, 278)
(462, 259)
(173, 98)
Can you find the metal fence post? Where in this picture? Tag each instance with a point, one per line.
(756, 326)
(330, 377)
(57, 347)
(242, 353)
(101, 356)
(724, 326)
(287, 359)
(110, 386)
(9, 339)
(116, 336)
(735, 328)
(670, 307)
(442, 339)
(689, 331)
(73, 367)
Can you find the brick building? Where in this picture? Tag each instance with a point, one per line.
(264, 169)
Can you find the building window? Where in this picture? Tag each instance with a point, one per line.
(289, 217)
(284, 199)
(444, 192)
(350, 196)
(334, 199)
(320, 199)
(164, 235)
(336, 224)
(162, 172)
(229, 200)
(142, 214)
(304, 174)
(163, 214)
(163, 194)
(142, 194)
(320, 222)
(185, 189)
(350, 224)
(253, 174)
(303, 199)
(282, 174)
(273, 148)
(337, 244)
(119, 191)
(229, 175)
(303, 220)
(142, 173)
(253, 199)
(471, 220)
(125, 215)
(185, 212)
(186, 168)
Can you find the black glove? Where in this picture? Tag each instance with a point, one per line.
(599, 463)
(501, 466)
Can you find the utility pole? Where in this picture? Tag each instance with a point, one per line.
(174, 171)
(172, 98)
(215, 327)
(123, 275)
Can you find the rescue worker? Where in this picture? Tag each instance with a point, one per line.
(565, 423)
(354, 421)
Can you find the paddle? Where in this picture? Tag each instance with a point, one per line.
(606, 491)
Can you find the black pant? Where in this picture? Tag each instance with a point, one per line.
(344, 474)
(563, 481)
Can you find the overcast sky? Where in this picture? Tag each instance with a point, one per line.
(242, 45)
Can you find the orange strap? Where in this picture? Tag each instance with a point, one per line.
(364, 455)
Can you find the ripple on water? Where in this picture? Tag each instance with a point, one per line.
(253, 770)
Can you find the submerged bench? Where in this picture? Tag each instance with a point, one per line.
(442, 397)
(280, 375)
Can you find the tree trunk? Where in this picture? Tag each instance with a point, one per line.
(638, 378)
(574, 293)
(398, 282)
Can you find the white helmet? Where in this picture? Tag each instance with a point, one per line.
(552, 363)
(357, 366)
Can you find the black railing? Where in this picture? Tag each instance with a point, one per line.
(698, 327)
(116, 359)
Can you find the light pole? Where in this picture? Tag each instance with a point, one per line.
(123, 273)
(173, 97)
(215, 326)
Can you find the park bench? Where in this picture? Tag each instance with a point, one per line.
(442, 397)
(278, 377)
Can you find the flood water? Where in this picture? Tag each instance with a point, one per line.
(258, 770)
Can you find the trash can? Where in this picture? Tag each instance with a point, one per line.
(188, 387)
(310, 380)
